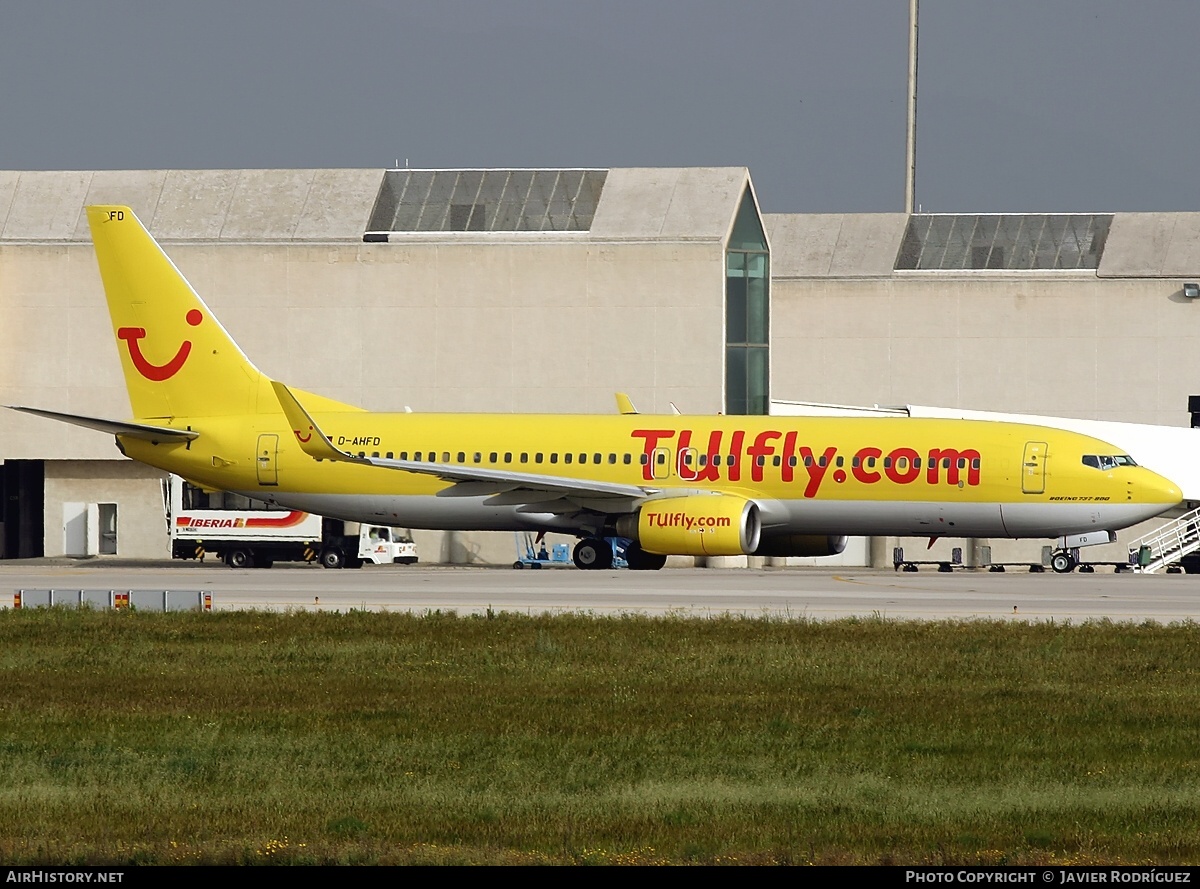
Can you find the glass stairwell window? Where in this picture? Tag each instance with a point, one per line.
(747, 314)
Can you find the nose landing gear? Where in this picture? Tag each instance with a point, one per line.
(1064, 561)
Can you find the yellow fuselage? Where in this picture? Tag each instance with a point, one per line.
(826, 475)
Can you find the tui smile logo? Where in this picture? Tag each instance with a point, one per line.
(157, 372)
(304, 439)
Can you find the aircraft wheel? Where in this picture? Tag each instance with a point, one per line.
(239, 558)
(640, 560)
(332, 558)
(1062, 563)
(592, 554)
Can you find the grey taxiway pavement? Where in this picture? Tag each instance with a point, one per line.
(787, 593)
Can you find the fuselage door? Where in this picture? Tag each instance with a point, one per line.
(660, 460)
(686, 465)
(1033, 468)
(268, 449)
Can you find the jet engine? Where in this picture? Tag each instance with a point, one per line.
(698, 525)
(801, 545)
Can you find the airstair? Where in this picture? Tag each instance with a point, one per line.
(1165, 546)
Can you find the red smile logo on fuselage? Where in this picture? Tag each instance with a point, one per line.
(157, 372)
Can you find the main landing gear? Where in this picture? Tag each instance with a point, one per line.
(596, 553)
(640, 560)
(593, 554)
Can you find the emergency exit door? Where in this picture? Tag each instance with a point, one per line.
(268, 449)
(1033, 468)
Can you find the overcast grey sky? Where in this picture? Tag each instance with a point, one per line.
(1025, 105)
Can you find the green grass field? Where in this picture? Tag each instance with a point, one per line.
(387, 738)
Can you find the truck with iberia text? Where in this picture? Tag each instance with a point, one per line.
(247, 533)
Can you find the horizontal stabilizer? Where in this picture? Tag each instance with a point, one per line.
(145, 432)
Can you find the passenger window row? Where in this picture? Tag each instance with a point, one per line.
(612, 459)
(554, 458)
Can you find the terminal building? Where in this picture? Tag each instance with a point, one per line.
(550, 290)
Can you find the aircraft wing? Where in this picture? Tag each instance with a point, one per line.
(541, 493)
(538, 493)
(143, 431)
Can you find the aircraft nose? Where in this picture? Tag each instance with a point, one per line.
(1151, 487)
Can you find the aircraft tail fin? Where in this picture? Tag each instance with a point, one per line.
(177, 358)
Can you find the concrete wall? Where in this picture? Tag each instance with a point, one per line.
(1056, 344)
(58, 353)
(136, 489)
(1064, 344)
(435, 326)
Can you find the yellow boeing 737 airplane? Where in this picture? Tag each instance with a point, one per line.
(699, 485)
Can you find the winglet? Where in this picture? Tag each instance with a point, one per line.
(624, 404)
(311, 439)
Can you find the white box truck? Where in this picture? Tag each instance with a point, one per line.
(246, 533)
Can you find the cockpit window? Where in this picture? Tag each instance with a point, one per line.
(1107, 461)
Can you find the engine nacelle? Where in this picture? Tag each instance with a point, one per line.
(699, 525)
(802, 545)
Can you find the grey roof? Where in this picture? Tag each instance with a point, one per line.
(834, 245)
(273, 205)
(237, 205)
(671, 203)
(1151, 245)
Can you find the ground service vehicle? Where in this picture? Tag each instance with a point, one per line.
(249, 533)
